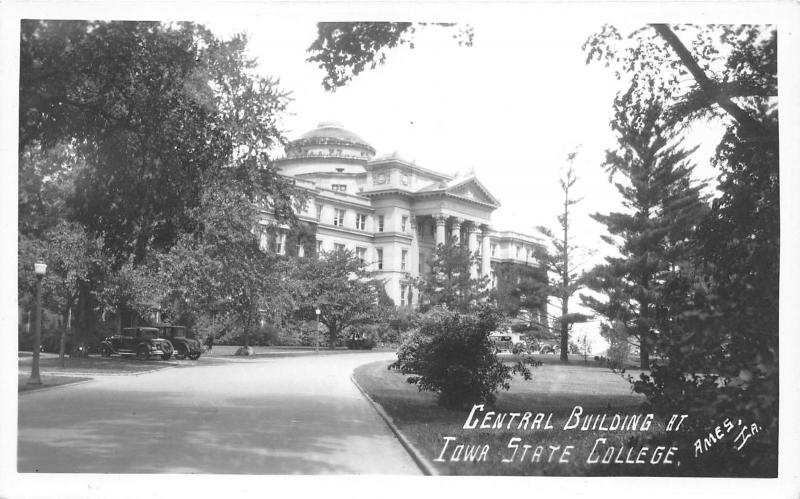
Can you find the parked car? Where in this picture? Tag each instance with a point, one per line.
(501, 342)
(142, 342)
(185, 346)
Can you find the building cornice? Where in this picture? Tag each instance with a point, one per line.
(408, 166)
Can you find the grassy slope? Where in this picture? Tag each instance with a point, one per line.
(555, 388)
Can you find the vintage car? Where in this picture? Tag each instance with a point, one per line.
(185, 346)
(142, 342)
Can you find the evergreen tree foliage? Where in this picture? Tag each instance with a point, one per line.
(719, 311)
(561, 262)
(663, 207)
(450, 282)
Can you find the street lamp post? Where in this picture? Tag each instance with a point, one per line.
(316, 334)
(40, 269)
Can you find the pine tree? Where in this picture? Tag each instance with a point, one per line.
(663, 206)
(450, 282)
(561, 262)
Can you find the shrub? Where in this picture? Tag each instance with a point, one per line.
(452, 356)
(362, 337)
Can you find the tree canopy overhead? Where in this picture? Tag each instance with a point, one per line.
(723, 70)
(345, 49)
(154, 111)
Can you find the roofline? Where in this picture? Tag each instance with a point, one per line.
(408, 164)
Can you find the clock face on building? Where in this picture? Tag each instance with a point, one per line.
(404, 179)
(380, 178)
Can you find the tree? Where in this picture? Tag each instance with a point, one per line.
(222, 270)
(521, 287)
(721, 346)
(725, 70)
(562, 262)
(345, 49)
(664, 207)
(450, 282)
(338, 285)
(155, 111)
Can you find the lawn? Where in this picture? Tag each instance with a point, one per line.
(93, 365)
(555, 391)
(47, 381)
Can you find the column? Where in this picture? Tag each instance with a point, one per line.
(472, 242)
(440, 235)
(455, 229)
(413, 253)
(486, 251)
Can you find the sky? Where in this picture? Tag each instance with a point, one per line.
(509, 108)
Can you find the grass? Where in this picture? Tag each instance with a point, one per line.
(93, 365)
(555, 390)
(47, 381)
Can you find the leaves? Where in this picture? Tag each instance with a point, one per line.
(340, 287)
(157, 112)
(345, 49)
(450, 282)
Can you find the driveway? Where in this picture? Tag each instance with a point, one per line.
(255, 416)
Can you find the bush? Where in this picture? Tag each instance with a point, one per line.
(362, 337)
(451, 355)
(360, 344)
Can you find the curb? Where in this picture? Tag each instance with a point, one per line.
(49, 388)
(419, 459)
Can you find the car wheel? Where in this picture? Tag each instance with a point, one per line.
(105, 351)
(143, 353)
(181, 352)
(166, 356)
(194, 356)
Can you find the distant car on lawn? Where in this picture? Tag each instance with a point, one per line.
(143, 342)
(547, 349)
(185, 346)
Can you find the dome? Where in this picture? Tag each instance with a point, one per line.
(332, 133)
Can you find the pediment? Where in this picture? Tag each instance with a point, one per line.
(474, 190)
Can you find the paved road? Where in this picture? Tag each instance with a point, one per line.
(260, 416)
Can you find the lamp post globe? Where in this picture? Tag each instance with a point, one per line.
(40, 269)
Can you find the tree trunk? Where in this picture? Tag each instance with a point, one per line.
(332, 335)
(63, 343)
(644, 356)
(84, 317)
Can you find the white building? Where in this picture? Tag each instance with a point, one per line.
(390, 212)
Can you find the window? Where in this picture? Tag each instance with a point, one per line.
(494, 249)
(319, 246)
(519, 252)
(361, 221)
(403, 259)
(403, 291)
(361, 253)
(380, 223)
(263, 243)
(379, 254)
(403, 223)
(338, 247)
(338, 217)
(281, 243)
(301, 251)
(319, 212)
(339, 187)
